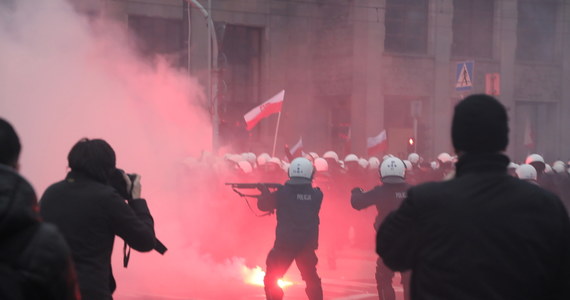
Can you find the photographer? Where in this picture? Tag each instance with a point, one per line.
(89, 212)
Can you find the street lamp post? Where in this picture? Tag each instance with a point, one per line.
(212, 67)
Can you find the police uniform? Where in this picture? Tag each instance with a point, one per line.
(387, 198)
(297, 205)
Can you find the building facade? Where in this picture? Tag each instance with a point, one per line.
(351, 69)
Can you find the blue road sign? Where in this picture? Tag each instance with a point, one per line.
(464, 77)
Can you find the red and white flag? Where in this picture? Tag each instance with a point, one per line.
(297, 149)
(528, 136)
(264, 110)
(377, 143)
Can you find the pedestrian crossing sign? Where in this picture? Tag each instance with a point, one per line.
(464, 77)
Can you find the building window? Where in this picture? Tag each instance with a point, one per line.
(473, 28)
(406, 26)
(535, 129)
(240, 78)
(241, 63)
(159, 36)
(340, 112)
(536, 30)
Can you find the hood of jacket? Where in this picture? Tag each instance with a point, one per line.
(18, 203)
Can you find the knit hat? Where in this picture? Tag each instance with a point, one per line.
(480, 125)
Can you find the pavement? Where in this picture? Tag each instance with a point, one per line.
(352, 279)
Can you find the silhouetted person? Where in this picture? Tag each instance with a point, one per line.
(482, 234)
(35, 261)
(297, 205)
(90, 213)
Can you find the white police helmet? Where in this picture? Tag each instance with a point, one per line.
(251, 158)
(534, 158)
(331, 155)
(351, 158)
(363, 163)
(392, 170)
(321, 164)
(526, 172)
(434, 165)
(245, 166)
(263, 158)
(301, 168)
(414, 158)
(512, 165)
(559, 166)
(373, 163)
(235, 158)
(444, 157)
(275, 160)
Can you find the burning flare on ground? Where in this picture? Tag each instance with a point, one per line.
(255, 276)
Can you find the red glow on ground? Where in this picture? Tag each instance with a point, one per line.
(255, 277)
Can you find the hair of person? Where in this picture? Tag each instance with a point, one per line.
(10, 144)
(480, 125)
(94, 158)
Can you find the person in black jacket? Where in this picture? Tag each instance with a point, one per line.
(35, 261)
(386, 198)
(89, 212)
(296, 237)
(482, 234)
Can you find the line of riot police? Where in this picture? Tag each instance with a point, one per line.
(383, 184)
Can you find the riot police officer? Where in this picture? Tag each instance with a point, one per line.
(387, 198)
(297, 205)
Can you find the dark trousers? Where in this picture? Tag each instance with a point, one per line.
(384, 282)
(279, 261)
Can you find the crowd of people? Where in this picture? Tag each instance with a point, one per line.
(341, 179)
(471, 226)
(466, 227)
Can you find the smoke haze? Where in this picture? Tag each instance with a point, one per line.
(63, 78)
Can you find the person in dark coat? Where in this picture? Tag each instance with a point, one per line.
(35, 261)
(297, 205)
(482, 234)
(387, 198)
(90, 213)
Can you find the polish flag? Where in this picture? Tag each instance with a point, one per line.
(297, 149)
(528, 136)
(264, 110)
(377, 143)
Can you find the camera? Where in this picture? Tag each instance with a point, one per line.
(117, 181)
(132, 178)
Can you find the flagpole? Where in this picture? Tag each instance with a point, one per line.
(276, 131)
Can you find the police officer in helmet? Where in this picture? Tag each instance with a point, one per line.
(297, 205)
(386, 198)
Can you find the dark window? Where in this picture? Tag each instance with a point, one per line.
(240, 63)
(473, 28)
(240, 77)
(339, 108)
(406, 26)
(159, 36)
(536, 30)
(535, 129)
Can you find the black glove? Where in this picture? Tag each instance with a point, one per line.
(264, 190)
(356, 190)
